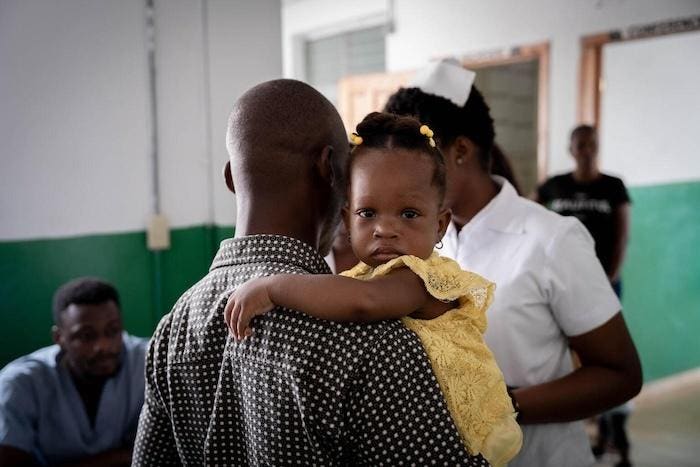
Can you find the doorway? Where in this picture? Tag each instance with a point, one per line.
(515, 85)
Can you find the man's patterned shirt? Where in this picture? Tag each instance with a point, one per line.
(299, 391)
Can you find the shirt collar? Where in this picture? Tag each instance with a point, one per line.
(269, 249)
(501, 213)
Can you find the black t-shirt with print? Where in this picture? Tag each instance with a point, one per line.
(592, 203)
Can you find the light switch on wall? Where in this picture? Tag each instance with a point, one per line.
(158, 235)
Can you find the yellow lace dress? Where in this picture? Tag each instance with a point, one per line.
(465, 368)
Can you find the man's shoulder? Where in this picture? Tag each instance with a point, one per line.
(200, 310)
(135, 348)
(38, 367)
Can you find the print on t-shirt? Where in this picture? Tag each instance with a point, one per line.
(592, 203)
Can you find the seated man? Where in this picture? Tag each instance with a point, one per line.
(76, 402)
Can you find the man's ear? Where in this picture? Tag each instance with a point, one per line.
(56, 335)
(346, 217)
(444, 218)
(229, 177)
(324, 165)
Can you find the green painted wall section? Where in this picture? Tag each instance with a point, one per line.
(30, 272)
(661, 277)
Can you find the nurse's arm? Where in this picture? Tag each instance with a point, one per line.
(13, 457)
(610, 374)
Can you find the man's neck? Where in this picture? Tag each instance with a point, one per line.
(477, 192)
(277, 219)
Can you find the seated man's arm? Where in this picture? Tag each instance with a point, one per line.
(18, 417)
(155, 442)
(396, 411)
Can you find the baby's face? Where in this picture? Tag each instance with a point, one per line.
(393, 207)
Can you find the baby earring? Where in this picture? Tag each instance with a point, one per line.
(438, 245)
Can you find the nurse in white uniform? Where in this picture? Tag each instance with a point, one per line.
(552, 294)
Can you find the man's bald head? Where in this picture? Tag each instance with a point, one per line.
(288, 151)
(276, 132)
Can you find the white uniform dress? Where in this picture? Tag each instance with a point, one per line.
(549, 285)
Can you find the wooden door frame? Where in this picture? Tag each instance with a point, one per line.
(527, 53)
(591, 63)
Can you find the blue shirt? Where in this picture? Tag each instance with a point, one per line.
(42, 413)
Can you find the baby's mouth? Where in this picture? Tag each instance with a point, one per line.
(385, 253)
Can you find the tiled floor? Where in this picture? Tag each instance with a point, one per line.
(664, 431)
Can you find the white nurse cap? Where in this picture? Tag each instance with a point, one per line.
(445, 78)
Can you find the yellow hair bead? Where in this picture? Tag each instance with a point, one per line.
(355, 139)
(426, 131)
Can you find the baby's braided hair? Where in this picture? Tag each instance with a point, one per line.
(449, 120)
(382, 130)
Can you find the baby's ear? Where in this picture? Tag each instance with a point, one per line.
(444, 218)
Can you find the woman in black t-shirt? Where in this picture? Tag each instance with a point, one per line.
(601, 203)
(598, 200)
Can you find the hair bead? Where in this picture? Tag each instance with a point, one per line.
(355, 139)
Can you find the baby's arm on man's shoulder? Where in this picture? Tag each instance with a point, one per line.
(330, 297)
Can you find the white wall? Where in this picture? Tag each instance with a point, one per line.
(423, 30)
(75, 121)
(209, 53)
(184, 158)
(650, 115)
(245, 49)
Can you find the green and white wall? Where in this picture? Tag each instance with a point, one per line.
(662, 271)
(650, 117)
(77, 181)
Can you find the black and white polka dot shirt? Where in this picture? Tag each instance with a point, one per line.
(300, 391)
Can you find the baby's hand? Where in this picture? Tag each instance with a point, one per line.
(248, 301)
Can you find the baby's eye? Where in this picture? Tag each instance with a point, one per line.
(409, 214)
(365, 213)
